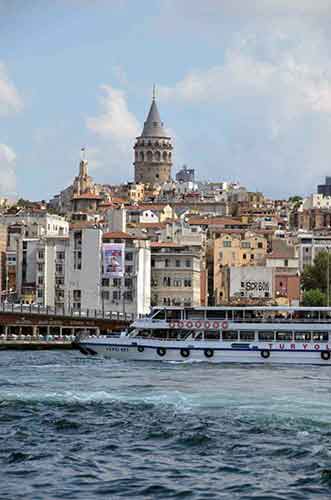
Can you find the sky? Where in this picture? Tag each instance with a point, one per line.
(243, 87)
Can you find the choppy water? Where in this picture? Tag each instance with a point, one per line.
(77, 428)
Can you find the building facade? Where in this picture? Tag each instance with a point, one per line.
(176, 275)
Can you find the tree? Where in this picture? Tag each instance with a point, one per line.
(314, 298)
(316, 276)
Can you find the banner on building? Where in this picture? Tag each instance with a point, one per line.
(113, 260)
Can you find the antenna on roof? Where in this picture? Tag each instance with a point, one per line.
(154, 91)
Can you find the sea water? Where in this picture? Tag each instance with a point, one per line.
(85, 428)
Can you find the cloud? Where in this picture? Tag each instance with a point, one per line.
(7, 170)
(10, 101)
(266, 111)
(118, 127)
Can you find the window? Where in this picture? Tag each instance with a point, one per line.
(260, 244)
(77, 295)
(302, 336)
(40, 280)
(60, 255)
(286, 262)
(227, 243)
(266, 336)
(247, 335)
(166, 281)
(128, 282)
(187, 283)
(40, 267)
(59, 268)
(177, 263)
(244, 256)
(117, 282)
(129, 269)
(105, 282)
(128, 296)
(116, 295)
(178, 282)
(129, 256)
(252, 256)
(188, 263)
(59, 281)
(153, 262)
(166, 263)
(284, 336)
(230, 335)
(320, 336)
(245, 244)
(105, 295)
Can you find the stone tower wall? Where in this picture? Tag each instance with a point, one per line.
(153, 160)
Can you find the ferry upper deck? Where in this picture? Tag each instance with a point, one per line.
(253, 314)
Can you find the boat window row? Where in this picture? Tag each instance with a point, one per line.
(237, 335)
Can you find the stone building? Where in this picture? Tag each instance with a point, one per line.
(153, 151)
(176, 275)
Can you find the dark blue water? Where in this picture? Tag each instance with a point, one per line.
(77, 428)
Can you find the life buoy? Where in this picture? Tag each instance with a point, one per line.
(265, 354)
(225, 325)
(209, 353)
(185, 353)
(161, 351)
(325, 355)
(141, 348)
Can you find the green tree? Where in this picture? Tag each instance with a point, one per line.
(316, 276)
(314, 298)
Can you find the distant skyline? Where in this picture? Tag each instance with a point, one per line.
(244, 90)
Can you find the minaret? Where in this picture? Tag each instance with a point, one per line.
(153, 150)
(83, 165)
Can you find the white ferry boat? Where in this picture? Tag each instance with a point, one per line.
(222, 335)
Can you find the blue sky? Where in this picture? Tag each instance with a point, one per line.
(245, 89)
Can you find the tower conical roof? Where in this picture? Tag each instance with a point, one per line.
(153, 126)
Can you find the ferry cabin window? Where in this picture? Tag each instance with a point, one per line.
(284, 336)
(160, 314)
(266, 336)
(173, 314)
(247, 335)
(212, 335)
(320, 336)
(302, 336)
(216, 314)
(229, 335)
(194, 314)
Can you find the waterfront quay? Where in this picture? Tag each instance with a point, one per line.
(29, 328)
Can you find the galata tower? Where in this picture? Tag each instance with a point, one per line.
(153, 151)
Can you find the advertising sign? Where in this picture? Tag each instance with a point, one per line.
(113, 260)
(251, 282)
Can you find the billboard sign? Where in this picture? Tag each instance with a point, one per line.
(251, 282)
(113, 260)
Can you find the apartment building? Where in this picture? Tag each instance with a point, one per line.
(309, 247)
(234, 249)
(176, 274)
(130, 291)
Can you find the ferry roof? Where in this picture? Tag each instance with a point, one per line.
(245, 308)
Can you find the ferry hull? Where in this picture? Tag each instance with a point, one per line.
(210, 354)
